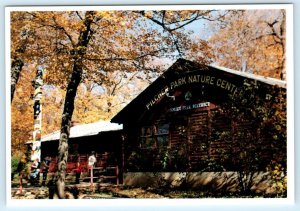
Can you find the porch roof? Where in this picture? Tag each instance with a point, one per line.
(85, 130)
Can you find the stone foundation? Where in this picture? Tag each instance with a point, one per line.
(226, 181)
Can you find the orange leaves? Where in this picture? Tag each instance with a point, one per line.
(22, 110)
(106, 14)
(250, 38)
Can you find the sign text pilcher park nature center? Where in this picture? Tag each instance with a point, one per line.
(192, 79)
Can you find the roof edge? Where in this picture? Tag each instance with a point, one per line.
(267, 80)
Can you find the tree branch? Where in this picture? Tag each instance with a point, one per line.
(65, 31)
(167, 26)
(126, 59)
(77, 13)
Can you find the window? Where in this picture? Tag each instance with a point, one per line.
(162, 135)
(154, 136)
(146, 137)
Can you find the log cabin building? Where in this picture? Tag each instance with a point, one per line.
(185, 122)
(182, 122)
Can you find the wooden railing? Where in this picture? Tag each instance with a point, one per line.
(105, 169)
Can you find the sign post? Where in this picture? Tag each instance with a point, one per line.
(92, 179)
(21, 185)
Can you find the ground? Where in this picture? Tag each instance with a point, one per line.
(100, 191)
(108, 190)
(84, 191)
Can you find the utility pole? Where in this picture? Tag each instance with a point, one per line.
(37, 109)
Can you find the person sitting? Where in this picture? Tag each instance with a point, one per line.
(35, 171)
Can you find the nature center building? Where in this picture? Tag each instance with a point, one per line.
(200, 118)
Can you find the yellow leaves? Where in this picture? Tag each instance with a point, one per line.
(91, 107)
(246, 39)
(123, 23)
(172, 16)
(107, 14)
(279, 178)
(114, 20)
(149, 14)
(22, 110)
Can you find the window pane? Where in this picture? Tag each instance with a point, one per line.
(146, 137)
(148, 132)
(163, 129)
(162, 141)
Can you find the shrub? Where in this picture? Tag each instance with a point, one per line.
(15, 160)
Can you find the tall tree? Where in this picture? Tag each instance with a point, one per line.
(84, 48)
(85, 35)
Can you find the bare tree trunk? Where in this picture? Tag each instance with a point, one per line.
(16, 68)
(79, 52)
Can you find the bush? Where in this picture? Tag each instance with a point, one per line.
(15, 160)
